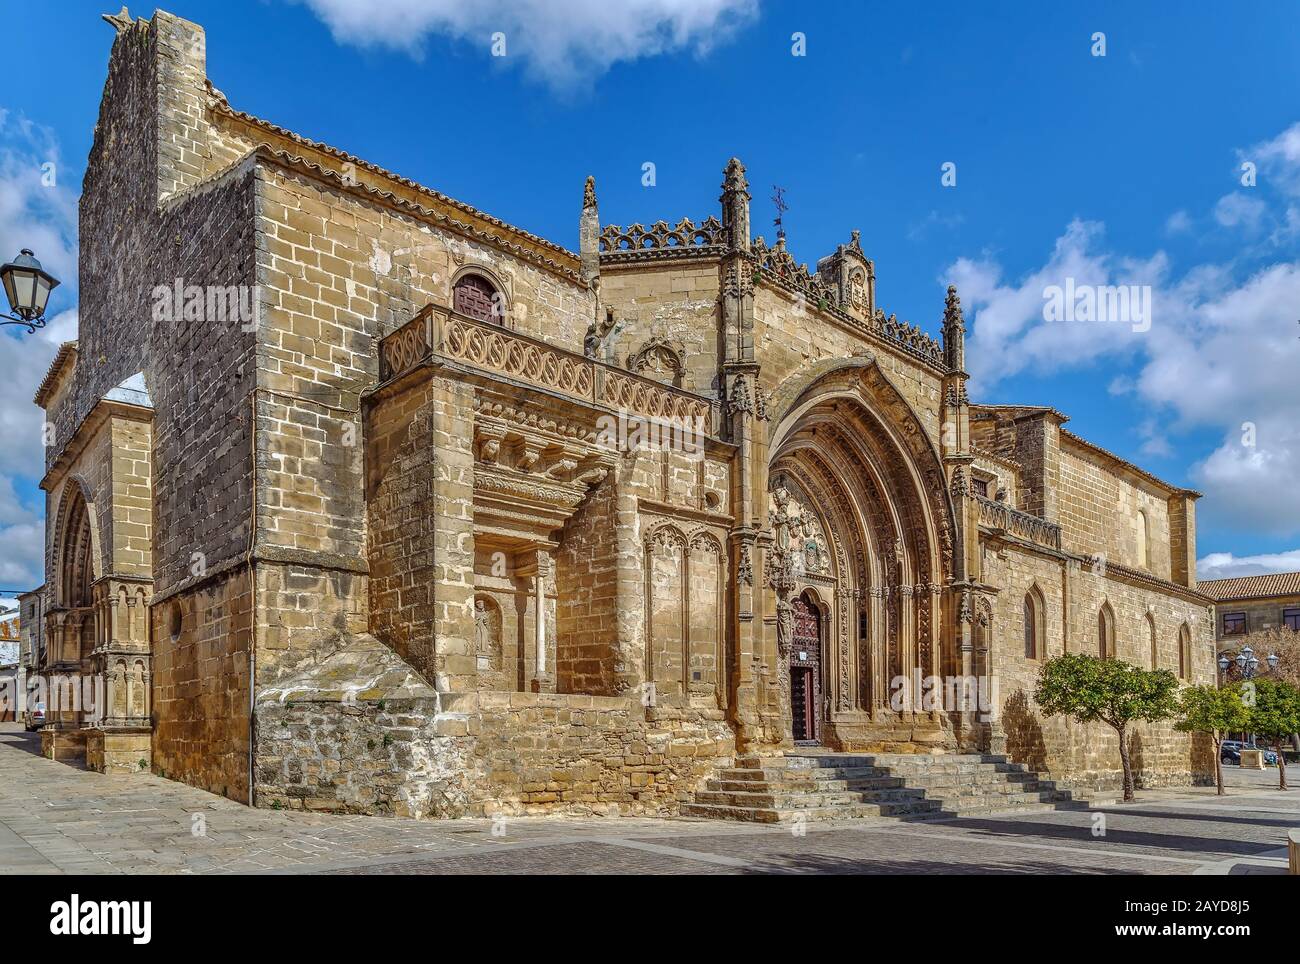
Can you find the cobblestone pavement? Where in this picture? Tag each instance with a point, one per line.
(55, 818)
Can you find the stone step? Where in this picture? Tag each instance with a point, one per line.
(918, 810)
(798, 800)
(982, 801)
(940, 784)
(812, 786)
(835, 786)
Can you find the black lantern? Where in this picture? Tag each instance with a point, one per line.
(28, 287)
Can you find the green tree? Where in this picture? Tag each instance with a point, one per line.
(1274, 715)
(1218, 712)
(1116, 693)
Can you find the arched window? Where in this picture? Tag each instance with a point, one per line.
(1184, 652)
(1034, 624)
(476, 297)
(1151, 631)
(1106, 632)
(1143, 540)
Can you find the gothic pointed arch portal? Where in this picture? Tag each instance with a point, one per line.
(861, 517)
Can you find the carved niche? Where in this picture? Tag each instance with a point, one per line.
(487, 634)
(660, 360)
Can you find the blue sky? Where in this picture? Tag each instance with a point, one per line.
(1117, 169)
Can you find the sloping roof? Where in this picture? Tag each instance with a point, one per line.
(1252, 587)
(1137, 469)
(132, 391)
(1022, 411)
(1017, 410)
(66, 351)
(485, 223)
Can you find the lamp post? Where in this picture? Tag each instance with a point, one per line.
(27, 286)
(1247, 662)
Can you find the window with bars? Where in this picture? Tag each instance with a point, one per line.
(1291, 619)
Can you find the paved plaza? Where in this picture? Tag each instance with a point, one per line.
(55, 819)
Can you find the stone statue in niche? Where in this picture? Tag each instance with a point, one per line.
(487, 635)
(138, 691)
(806, 544)
(119, 703)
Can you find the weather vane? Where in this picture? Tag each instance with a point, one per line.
(778, 199)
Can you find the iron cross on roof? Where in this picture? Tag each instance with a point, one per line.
(778, 200)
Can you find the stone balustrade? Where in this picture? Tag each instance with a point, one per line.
(999, 515)
(448, 334)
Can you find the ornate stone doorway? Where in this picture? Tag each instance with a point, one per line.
(806, 673)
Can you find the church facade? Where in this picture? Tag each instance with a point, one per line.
(361, 499)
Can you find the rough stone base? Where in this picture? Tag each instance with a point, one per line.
(361, 732)
(119, 751)
(65, 746)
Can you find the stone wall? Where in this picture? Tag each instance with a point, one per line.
(485, 754)
(790, 336)
(1099, 512)
(586, 584)
(419, 494)
(151, 143)
(1074, 754)
(201, 642)
(675, 302)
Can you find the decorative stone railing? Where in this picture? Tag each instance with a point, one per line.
(662, 236)
(437, 331)
(999, 515)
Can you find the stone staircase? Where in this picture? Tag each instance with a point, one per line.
(819, 785)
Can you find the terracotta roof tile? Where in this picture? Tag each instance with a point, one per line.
(66, 350)
(1252, 587)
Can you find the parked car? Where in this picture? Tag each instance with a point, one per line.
(35, 715)
(1230, 752)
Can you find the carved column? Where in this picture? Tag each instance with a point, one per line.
(744, 423)
(540, 574)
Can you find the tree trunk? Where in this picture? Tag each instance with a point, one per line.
(1218, 766)
(1281, 766)
(1124, 761)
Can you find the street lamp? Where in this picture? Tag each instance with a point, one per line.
(27, 286)
(1247, 662)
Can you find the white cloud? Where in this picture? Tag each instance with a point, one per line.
(1222, 351)
(38, 210)
(1224, 565)
(1179, 222)
(1278, 160)
(1240, 210)
(566, 43)
(1009, 334)
(22, 533)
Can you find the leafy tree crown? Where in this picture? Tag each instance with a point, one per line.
(1089, 688)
